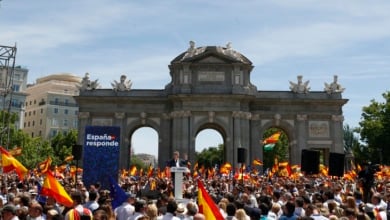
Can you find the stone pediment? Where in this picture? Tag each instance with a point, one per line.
(211, 59)
(211, 54)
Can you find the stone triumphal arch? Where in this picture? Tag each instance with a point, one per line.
(211, 88)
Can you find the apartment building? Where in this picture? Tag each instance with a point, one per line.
(50, 107)
(12, 90)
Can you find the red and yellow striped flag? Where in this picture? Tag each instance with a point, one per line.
(44, 166)
(206, 205)
(150, 171)
(16, 151)
(51, 187)
(68, 158)
(9, 164)
(133, 170)
(257, 162)
(272, 139)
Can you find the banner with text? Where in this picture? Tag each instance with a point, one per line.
(101, 155)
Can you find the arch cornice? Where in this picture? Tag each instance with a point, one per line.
(134, 125)
(283, 124)
(219, 125)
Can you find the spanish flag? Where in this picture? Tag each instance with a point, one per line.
(9, 164)
(133, 170)
(16, 151)
(69, 158)
(44, 166)
(150, 171)
(272, 139)
(51, 187)
(257, 162)
(206, 205)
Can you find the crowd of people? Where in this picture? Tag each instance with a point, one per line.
(313, 197)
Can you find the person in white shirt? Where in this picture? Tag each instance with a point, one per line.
(124, 211)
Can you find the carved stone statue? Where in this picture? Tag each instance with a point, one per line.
(300, 87)
(122, 85)
(192, 50)
(87, 84)
(333, 87)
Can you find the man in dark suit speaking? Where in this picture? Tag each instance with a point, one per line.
(176, 161)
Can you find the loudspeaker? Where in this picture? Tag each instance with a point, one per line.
(310, 161)
(77, 151)
(336, 164)
(241, 155)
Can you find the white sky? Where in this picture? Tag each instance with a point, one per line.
(283, 39)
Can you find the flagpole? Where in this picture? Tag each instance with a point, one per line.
(75, 179)
(242, 173)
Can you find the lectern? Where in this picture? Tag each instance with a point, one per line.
(178, 181)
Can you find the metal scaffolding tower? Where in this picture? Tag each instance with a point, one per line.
(7, 66)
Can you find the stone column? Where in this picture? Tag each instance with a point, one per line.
(301, 134)
(255, 148)
(181, 132)
(164, 142)
(186, 134)
(236, 136)
(338, 134)
(84, 120)
(124, 156)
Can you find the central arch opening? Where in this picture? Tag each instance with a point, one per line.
(209, 148)
(144, 147)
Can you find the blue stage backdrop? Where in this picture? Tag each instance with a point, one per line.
(101, 155)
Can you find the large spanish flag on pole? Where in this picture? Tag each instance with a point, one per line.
(206, 205)
(9, 164)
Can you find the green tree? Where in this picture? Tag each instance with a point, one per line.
(62, 145)
(34, 151)
(139, 163)
(210, 156)
(353, 145)
(375, 129)
(280, 150)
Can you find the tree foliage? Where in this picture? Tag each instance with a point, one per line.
(211, 156)
(62, 145)
(354, 146)
(375, 129)
(280, 151)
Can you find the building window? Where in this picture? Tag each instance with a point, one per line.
(25, 114)
(55, 110)
(35, 101)
(41, 110)
(40, 121)
(66, 111)
(29, 113)
(40, 133)
(33, 123)
(66, 102)
(32, 134)
(56, 101)
(65, 122)
(24, 125)
(28, 124)
(53, 133)
(34, 112)
(75, 123)
(15, 88)
(54, 122)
